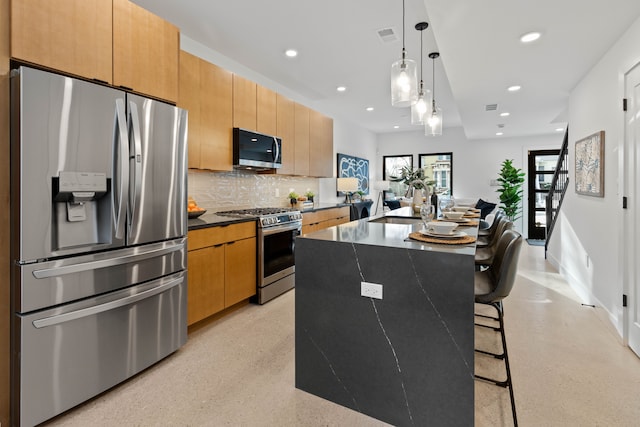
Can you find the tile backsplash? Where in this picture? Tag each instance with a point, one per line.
(216, 191)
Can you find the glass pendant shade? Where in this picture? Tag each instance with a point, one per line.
(419, 109)
(404, 86)
(433, 121)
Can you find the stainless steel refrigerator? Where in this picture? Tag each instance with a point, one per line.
(98, 240)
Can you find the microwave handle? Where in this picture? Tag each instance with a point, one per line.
(275, 142)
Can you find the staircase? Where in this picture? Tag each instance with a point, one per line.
(558, 187)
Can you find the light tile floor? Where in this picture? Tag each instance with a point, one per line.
(569, 369)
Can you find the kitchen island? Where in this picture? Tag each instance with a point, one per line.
(407, 358)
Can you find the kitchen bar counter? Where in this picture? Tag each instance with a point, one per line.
(407, 358)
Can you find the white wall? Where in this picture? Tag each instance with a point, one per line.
(585, 254)
(475, 162)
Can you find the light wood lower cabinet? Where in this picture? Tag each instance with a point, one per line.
(221, 268)
(317, 220)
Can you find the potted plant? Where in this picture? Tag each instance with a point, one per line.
(510, 179)
(293, 197)
(309, 195)
(415, 179)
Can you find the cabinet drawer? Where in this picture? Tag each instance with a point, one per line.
(324, 215)
(220, 234)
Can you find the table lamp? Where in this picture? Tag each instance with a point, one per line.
(347, 186)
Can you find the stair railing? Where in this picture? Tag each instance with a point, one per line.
(558, 188)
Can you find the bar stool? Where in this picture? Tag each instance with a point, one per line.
(491, 286)
(485, 254)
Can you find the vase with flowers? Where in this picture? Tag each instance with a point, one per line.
(417, 183)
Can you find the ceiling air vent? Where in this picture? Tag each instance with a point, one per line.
(491, 107)
(387, 35)
(501, 125)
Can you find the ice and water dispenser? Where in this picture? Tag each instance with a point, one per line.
(82, 209)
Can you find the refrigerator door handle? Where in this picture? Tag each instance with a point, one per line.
(90, 311)
(136, 159)
(120, 167)
(109, 262)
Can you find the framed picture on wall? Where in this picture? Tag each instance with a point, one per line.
(354, 167)
(392, 166)
(590, 165)
(438, 168)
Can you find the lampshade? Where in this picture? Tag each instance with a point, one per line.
(404, 77)
(381, 185)
(433, 117)
(347, 185)
(420, 107)
(433, 121)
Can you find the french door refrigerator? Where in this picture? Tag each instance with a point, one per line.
(98, 211)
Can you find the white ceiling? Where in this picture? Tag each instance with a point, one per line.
(478, 41)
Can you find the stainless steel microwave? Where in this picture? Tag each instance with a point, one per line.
(255, 150)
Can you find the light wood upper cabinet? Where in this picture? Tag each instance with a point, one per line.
(189, 99)
(145, 51)
(320, 145)
(216, 115)
(301, 128)
(244, 103)
(206, 91)
(73, 36)
(266, 117)
(285, 130)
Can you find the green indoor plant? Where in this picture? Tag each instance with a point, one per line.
(310, 195)
(293, 197)
(413, 178)
(510, 179)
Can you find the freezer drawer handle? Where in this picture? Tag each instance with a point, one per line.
(86, 312)
(111, 262)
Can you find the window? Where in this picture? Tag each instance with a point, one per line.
(392, 166)
(438, 167)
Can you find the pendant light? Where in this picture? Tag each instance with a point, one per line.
(420, 107)
(433, 118)
(404, 87)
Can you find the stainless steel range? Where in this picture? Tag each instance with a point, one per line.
(277, 232)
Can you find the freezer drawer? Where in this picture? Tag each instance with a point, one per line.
(69, 354)
(45, 284)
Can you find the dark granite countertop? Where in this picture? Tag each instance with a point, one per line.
(213, 220)
(322, 206)
(369, 232)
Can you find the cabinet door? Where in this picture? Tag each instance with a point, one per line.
(240, 271)
(244, 103)
(285, 125)
(205, 281)
(189, 99)
(73, 36)
(266, 111)
(320, 145)
(301, 154)
(145, 51)
(216, 115)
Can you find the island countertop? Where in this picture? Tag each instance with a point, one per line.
(374, 231)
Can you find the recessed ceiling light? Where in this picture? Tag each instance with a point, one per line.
(369, 108)
(505, 114)
(291, 53)
(530, 37)
(514, 88)
(396, 127)
(341, 88)
(559, 129)
(499, 133)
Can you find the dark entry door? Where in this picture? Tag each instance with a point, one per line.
(542, 165)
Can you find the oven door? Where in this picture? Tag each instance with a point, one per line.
(276, 252)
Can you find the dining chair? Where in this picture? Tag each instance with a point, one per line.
(485, 253)
(491, 287)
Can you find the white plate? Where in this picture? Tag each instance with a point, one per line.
(452, 235)
(460, 221)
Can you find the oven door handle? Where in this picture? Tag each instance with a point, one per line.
(281, 228)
